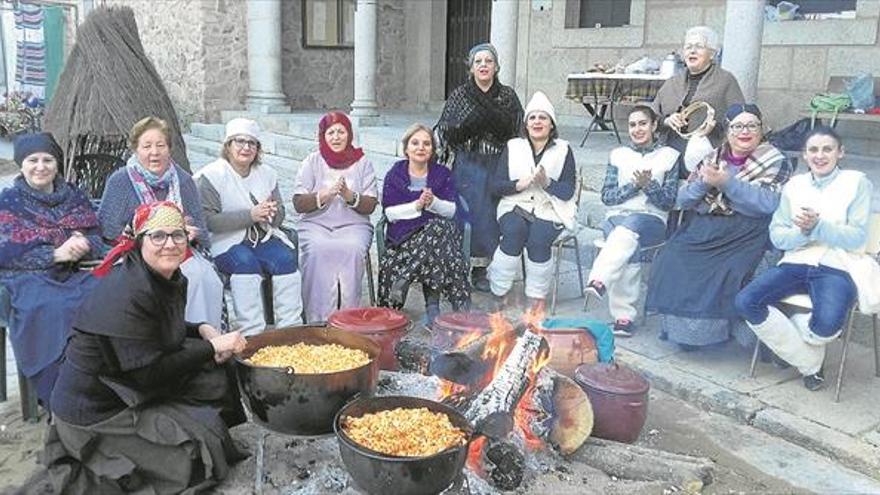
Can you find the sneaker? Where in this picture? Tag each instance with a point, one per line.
(624, 328)
(815, 382)
(595, 289)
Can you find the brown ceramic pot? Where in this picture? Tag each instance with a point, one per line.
(449, 329)
(619, 396)
(570, 348)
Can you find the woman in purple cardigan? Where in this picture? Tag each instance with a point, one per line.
(423, 240)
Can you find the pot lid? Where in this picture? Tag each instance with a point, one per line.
(464, 321)
(612, 378)
(368, 319)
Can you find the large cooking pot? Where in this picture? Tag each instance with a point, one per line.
(383, 474)
(385, 326)
(570, 348)
(619, 396)
(292, 403)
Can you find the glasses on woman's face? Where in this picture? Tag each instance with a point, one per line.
(160, 237)
(738, 128)
(246, 143)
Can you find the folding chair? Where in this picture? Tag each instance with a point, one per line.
(802, 301)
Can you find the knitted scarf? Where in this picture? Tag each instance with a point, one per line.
(474, 120)
(146, 183)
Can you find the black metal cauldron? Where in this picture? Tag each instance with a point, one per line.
(292, 403)
(384, 474)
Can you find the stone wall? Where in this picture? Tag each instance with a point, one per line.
(199, 49)
(797, 58)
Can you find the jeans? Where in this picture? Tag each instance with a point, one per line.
(536, 237)
(831, 291)
(272, 257)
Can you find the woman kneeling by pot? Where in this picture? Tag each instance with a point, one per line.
(141, 403)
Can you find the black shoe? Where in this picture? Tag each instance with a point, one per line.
(815, 381)
(595, 289)
(624, 328)
(397, 294)
(479, 281)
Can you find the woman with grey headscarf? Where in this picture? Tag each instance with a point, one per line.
(704, 80)
(479, 118)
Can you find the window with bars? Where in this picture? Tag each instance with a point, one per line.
(328, 23)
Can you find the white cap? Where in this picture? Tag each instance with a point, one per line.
(540, 103)
(237, 127)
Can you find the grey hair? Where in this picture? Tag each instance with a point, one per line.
(707, 33)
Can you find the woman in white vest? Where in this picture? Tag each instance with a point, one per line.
(641, 183)
(821, 224)
(244, 210)
(535, 181)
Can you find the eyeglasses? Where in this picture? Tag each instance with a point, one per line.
(242, 143)
(752, 127)
(695, 46)
(159, 237)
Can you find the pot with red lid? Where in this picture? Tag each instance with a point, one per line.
(385, 326)
(619, 396)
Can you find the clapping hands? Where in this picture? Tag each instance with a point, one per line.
(714, 175)
(425, 200)
(641, 178)
(806, 220)
(264, 212)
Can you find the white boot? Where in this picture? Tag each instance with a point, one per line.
(782, 337)
(502, 272)
(539, 276)
(614, 257)
(247, 301)
(287, 299)
(623, 294)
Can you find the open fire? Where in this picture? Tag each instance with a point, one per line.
(498, 378)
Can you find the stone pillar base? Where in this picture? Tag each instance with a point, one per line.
(272, 103)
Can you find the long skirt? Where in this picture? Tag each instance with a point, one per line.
(332, 264)
(431, 256)
(204, 291)
(169, 447)
(42, 311)
(699, 271)
(472, 172)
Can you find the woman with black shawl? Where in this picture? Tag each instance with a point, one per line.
(142, 403)
(479, 118)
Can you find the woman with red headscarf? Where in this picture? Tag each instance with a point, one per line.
(335, 194)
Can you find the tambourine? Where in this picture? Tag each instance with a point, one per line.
(708, 123)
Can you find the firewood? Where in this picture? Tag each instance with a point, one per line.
(413, 355)
(473, 362)
(505, 464)
(646, 464)
(559, 411)
(492, 410)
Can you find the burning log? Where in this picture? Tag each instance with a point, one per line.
(507, 464)
(641, 463)
(414, 355)
(472, 362)
(560, 411)
(492, 411)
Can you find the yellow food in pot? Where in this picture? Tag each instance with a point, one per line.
(405, 432)
(310, 359)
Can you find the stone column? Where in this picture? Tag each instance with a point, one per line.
(505, 16)
(264, 57)
(365, 21)
(743, 33)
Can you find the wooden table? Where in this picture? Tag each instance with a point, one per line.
(599, 93)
